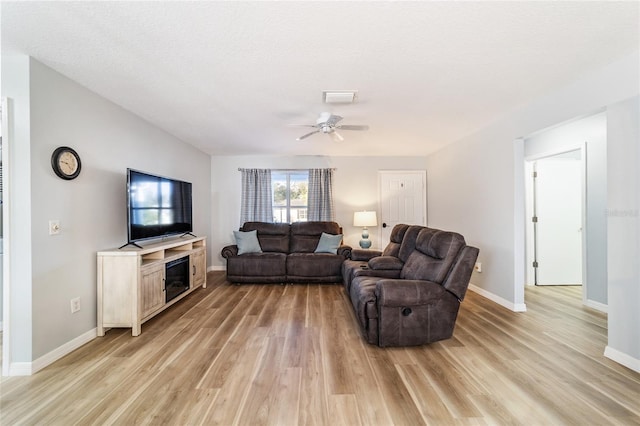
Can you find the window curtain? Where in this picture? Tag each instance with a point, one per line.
(256, 201)
(320, 195)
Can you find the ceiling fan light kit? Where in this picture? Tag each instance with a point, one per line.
(339, 96)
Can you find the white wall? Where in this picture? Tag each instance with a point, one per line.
(592, 131)
(92, 208)
(355, 188)
(623, 129)
(15, 86)
(472, 187)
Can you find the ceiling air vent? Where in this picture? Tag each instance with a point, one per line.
(339, 96)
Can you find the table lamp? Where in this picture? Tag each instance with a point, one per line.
(365, 219)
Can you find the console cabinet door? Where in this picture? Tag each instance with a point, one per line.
(198, 268)
(151, 289)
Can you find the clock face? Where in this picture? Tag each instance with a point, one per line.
(66, 163)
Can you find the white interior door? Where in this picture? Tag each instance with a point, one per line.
(558, 226)
(403, 198)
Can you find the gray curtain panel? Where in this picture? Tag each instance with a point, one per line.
(320, 196)
(256, 196)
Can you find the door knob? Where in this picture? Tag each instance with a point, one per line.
(384, 224)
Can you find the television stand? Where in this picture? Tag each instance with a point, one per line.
(188, 233)
(131, 281)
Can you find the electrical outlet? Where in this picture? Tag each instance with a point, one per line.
(54, 227)
(478, 267)
(75, 305)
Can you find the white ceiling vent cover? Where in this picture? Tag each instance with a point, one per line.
(339, 96)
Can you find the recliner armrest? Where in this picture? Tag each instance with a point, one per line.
(229, 251)
(385, 263)
(364, 255)
(344, 251)
(400, 293)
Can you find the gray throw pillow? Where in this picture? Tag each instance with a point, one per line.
(328, 243)
(247, 242)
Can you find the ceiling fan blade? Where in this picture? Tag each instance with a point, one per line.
(333, 120)
(336, 136)
(353, 127)
(302, 125)
(307, 135)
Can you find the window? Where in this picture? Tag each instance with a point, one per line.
(290, 190)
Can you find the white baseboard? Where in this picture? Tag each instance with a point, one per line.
(515, 307)
(216, 268)
(622, 358)
(596, 305)
(63, 350)
(29, 368)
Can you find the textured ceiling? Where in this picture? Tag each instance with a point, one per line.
(227, 77)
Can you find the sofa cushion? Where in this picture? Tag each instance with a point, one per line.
(328, 243)
(395, 240)
(301, 265)
(258, 265)
(247, 242)
(273, 237)
(433, 257)
(408, 244)
(305, 235)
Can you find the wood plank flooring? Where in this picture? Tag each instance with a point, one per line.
(293, 355)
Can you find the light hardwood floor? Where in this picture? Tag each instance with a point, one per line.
(289, 355)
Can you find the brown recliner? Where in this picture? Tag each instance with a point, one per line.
(421, 304)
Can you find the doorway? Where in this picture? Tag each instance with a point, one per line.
(403, 198)
(555, 206)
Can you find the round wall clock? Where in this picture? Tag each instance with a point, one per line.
(66, 163)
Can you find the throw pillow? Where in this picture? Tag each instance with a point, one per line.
(247, 242)
(328, 243)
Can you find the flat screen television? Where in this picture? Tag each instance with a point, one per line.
(157, 206)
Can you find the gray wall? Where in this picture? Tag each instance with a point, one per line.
(355, 188)
(593, 132)
(473, 186)
(92, 208)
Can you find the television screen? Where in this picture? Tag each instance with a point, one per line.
(157, 206)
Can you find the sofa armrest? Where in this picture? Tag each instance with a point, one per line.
(387, 263)
(458, 280)
(380, 273)
(344, 251)
(364, 255)
(229, 251)
(400, 293)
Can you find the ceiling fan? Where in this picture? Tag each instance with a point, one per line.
(327, 123)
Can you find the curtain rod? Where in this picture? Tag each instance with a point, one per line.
(287, 170)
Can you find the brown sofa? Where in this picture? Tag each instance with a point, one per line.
(412, 297)
(287, 255)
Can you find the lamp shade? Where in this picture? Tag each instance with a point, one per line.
(365, 218)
